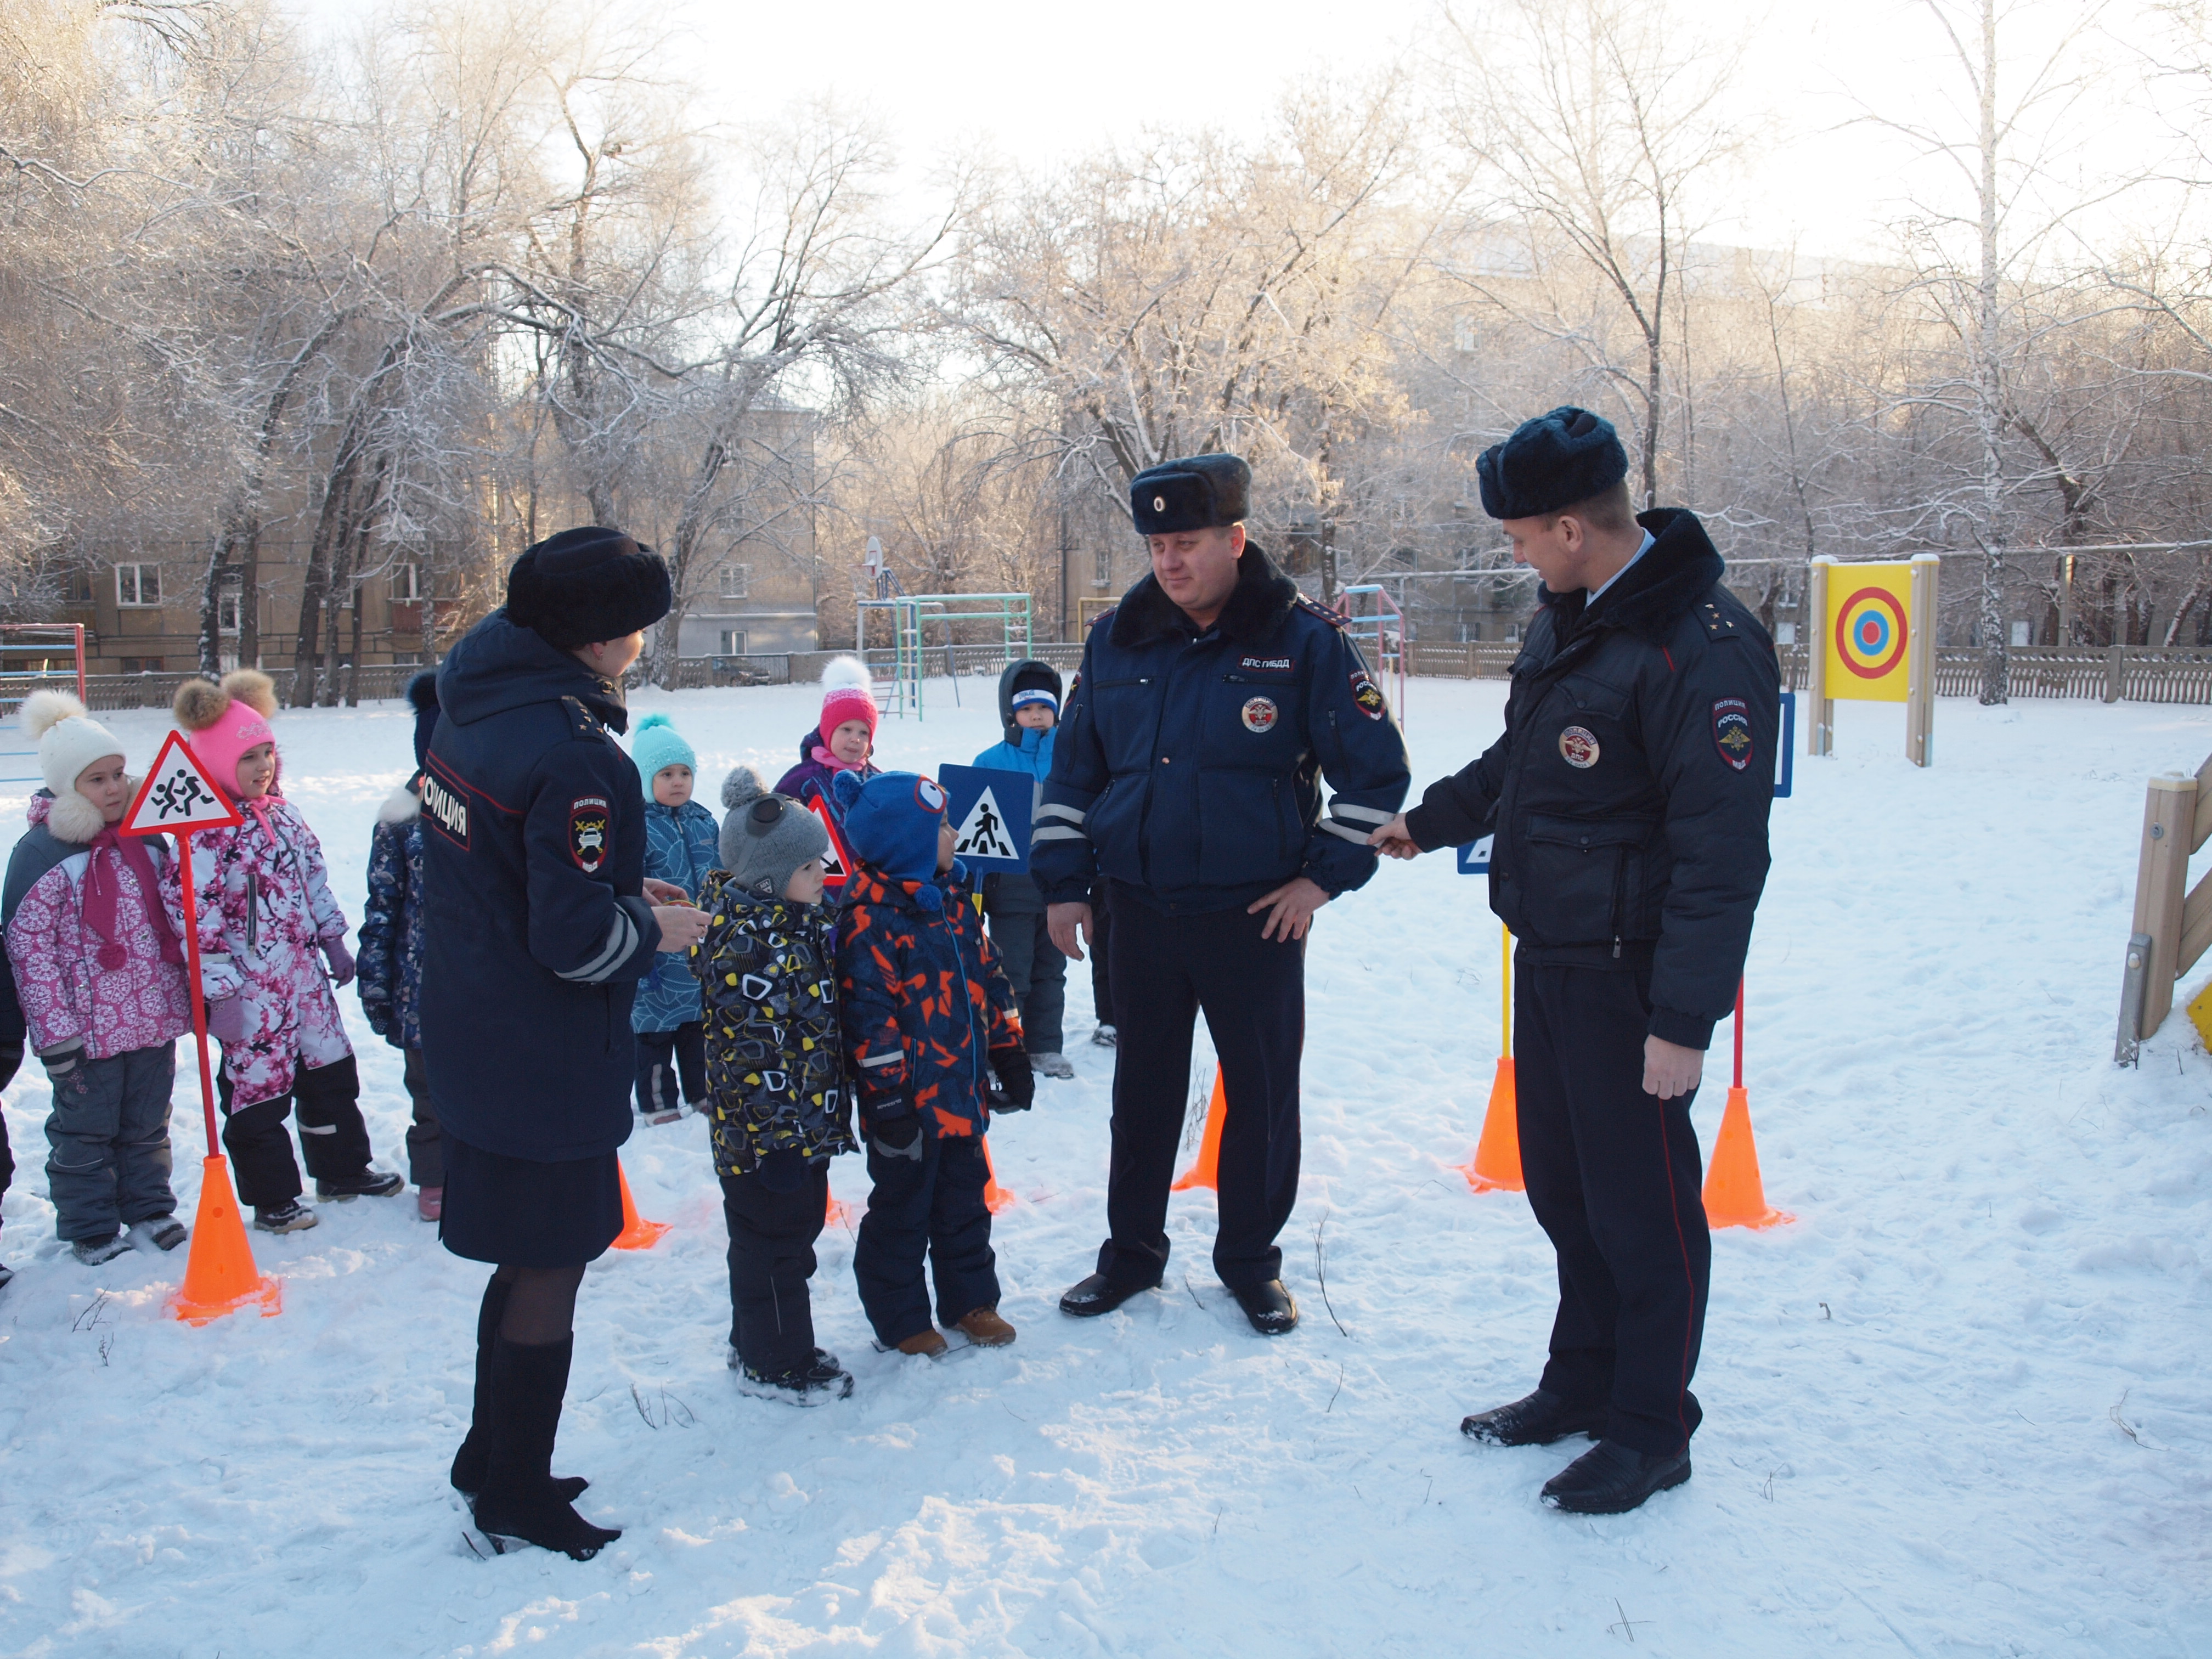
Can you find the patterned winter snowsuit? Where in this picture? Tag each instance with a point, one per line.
(109, 1162)
(389, 972)
(775, 1071)
(924, 1004)
(681, 845)
(264, 910)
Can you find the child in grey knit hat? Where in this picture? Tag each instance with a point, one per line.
(776, 1086)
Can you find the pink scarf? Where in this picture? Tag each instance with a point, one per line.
(103, 886)
(823, 757)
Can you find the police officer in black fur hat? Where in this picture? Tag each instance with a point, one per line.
(1214, 702)
(1629, 796)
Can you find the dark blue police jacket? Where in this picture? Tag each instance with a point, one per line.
(1189, 764)
(533, 866)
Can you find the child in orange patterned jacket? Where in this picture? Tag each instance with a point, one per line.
(923, 1004)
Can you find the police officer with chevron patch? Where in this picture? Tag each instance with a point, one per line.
(1213, 703)
(1629, 797)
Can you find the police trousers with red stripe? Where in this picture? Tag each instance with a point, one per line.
(1613, 1175)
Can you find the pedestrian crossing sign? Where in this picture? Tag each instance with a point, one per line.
(991, 812)
(177, 796)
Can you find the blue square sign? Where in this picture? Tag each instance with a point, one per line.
(993, 810)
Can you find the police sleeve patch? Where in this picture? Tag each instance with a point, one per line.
(1732, 732)
(1369, 696)
(589, 820)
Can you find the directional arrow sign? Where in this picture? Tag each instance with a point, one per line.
(837, 864)
(178, 797)
(993, 810)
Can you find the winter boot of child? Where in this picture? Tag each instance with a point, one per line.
(290, 1217)
(1106, 1036)
(7, 1274)
(926, 1344)
(518, 1499)
(369, 1183)
(985, 1330)
(817, 1383)
(1053, 1065)
(472, 1461)
(163, 1233)
(93, 1251)
(429, 1202)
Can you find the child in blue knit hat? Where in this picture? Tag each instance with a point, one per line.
(924, 1006)
(681, 845)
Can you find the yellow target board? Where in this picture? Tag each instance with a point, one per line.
(1868, 631)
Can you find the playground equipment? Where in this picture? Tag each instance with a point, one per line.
(36, 652)
(1876, 643)
(2172, 921)
(1386, 625)
(911, 614)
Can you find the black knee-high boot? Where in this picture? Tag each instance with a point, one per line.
(529, 1381)
(473, 1460)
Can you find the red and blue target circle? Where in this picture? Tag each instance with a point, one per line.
(1871, 633)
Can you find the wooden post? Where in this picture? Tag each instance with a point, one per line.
(1920, 663)
(2116, 672)
(1820, 728)
(2161, 878)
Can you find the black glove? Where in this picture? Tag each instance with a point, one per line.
(783, 1170)
(1016, 1076)
(897, 1137)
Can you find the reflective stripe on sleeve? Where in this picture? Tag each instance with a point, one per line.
(1056, 832)
(1340, 808)
(622, 939)
(1053, 809)
(890, 1059)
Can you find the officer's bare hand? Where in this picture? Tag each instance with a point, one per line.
(665, 892)
(1064, 922)
(1394, 841)
(1289, 908)
(681, 926)
(1669, 1069)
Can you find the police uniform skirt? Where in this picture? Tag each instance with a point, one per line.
(519, 1212)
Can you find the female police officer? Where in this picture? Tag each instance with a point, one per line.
(541, 924)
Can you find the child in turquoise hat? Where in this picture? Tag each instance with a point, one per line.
(681, 845)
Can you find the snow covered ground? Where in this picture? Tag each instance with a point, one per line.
(1949, 1412)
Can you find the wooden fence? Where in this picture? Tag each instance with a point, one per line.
(2173, 921)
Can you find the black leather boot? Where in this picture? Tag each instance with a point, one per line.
(1537, 1420)
(1098, 1295)
(518, 1499)
(1269, 1306)
(1611, 1478)
(472, 1461)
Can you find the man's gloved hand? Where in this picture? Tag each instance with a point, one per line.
(226, 1020)
(896, 1137)
(341, 959)
(1017, 1077)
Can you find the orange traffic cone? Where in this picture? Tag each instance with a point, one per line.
(1206, 1171)
(1496, 1165)
(996, 1198)
(220, 1276)
(637, 1233)
(835, 1214)
(1734, 1195)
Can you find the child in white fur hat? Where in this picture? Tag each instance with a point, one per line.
(101, 975)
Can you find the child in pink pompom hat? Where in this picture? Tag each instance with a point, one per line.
(268, 924)
(841, 741)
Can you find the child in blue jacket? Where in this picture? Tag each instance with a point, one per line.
(928, 1017)
(681, 840)
(1029, 707)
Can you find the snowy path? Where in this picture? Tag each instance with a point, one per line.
(1915, 1396)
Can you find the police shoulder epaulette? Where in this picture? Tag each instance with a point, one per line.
(587, 724)
(1315, 608)
(1719, 625)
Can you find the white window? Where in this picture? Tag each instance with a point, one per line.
(733, 642)
(737, 582)
(406, 583)
(226, 613)
(1785, 633)
(138, 583)
(1102, 574)
(2020, 634)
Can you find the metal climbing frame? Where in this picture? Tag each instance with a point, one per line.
(910, 614)
(1385, 625)
(30, 652)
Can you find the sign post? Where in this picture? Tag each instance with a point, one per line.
(1877, 644)
(220, 1276)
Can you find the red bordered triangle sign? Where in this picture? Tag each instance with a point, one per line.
(837, 864)
(178, 797)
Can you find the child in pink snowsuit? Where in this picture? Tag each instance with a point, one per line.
(266, 923)
(102, 976)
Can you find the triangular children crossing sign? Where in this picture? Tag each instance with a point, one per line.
(836, 863)
(992, 810)
(178, 796)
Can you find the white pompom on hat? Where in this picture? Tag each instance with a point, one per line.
(69, 741)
